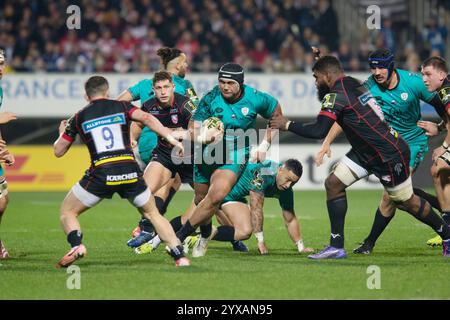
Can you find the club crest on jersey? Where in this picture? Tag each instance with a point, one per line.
(174, 118)
(404, 96)
(444, 93)
(257, 180)
(245, 111)
(118, 118)
(328, 101)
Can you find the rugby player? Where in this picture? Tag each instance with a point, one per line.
(237, 106)
(262, 180)
(376, 148)
(174, 61)
(398, 92)
(103, 126)
(5, 117)
(436, 78)
(174, 111)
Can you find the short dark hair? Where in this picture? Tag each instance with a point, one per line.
(168, 54)
(96, 85)
(162, 75)
(295, 166)
(436, 62)
(328, 64)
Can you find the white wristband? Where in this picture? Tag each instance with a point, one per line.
(300, 245)
(259, 236)
(264, 146)
(445, 145)
(287, 125)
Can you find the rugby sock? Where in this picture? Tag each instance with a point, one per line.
(224, 233)
(432, 200)
(146, 225)
(185, 231)
(379, 224)
(160, 205)
(337, 208)
(176, 223)
(172, 192)
(205, 230)
(446, 217)
(433, 220)
(74, 238)
(177, 252)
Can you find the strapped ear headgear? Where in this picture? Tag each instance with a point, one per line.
(232, 71)
(384, 59)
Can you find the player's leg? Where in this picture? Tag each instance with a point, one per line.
(147, 207)
(4, 200)
(75, 203)
(222, 181)
(441, 178)
(418, 151)
(344, 174)
(386, 210)
(177, 223)
(440, 171)
(384, 214)
(401, 192)
(156, 176)
(224, 220)
(163, 197)
(240, 227)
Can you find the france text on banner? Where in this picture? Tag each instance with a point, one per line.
(37, 169)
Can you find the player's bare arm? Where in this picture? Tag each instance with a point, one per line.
(61, 145)
(257, 215)
(335, 131)
(125, 96)
(293, 228)
(6, 117)
(259, 154)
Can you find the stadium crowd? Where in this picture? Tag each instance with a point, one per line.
(123, 35)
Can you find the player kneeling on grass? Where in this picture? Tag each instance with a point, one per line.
(104, 126)
(268, 179)
(376, 148)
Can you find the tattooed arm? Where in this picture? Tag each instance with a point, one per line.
(256, 209)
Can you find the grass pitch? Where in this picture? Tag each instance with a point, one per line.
(31, 232)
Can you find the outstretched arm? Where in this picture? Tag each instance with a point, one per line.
(316, 130)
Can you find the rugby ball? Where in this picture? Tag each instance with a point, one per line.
(212, 127)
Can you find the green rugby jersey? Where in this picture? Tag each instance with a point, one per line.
(261, 178)
(401, 105)
(240, 114)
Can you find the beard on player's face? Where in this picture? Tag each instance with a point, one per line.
(322, 90)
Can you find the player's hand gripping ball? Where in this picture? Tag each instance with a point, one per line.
(212, 130)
